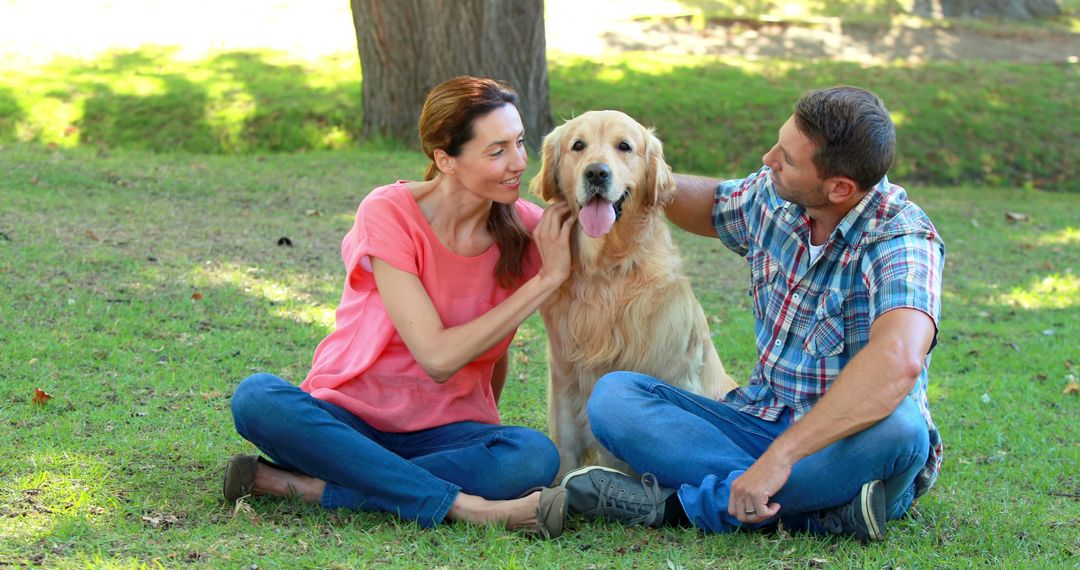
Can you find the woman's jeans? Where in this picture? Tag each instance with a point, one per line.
(700, 446)
(416, 475)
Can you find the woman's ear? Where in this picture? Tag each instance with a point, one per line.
(444, 162)
(659, 183)
(546, 184)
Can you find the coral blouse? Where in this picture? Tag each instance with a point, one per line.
(364, 365)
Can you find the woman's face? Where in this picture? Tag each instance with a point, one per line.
(490, 165)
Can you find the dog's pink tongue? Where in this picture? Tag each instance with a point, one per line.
(597, 217)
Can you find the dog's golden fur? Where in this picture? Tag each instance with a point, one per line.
(626, 305)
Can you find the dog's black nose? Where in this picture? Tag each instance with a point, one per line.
(597, 173)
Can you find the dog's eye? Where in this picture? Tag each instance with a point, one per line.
(625, 146)
(578, 145)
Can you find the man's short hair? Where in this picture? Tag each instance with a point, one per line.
(852, 131)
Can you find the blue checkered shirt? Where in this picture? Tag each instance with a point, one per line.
(812, 317)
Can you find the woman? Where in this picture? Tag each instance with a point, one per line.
(399, 411)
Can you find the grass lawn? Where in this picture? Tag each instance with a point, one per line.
(142, 287)
(993, 124)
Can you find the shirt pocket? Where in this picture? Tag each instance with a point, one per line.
(826, 336)
(763, 272)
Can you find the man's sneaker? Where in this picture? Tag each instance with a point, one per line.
(863, 517)
(601, 492)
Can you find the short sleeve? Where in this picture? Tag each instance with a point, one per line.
(733, 207)
(382, 230)
(905, 272)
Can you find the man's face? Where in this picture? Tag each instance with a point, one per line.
(793, 172)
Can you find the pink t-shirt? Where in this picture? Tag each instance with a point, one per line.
(364, 365)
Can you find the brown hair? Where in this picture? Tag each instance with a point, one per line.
(446, 123)
(852, 131)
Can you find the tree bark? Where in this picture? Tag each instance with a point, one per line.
(406, 47)
(1010, 9)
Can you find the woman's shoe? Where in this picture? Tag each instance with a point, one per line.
(239, 477)
(551, 512)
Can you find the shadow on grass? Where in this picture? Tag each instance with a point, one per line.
(718, 118)
(234, 102)
(172, 120)
(10, 113)
(958, 123)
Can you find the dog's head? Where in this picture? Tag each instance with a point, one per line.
(603, 163)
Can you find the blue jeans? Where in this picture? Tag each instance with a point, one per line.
(416, 475)
(700, 446)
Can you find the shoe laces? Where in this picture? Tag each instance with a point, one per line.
(642, 506)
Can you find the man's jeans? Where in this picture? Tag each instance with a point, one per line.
(416, 475)
(700, 446)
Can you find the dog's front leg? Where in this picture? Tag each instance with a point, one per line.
(565, 418)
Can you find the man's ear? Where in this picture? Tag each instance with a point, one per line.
(546, 184)
(444, 162)
(841, 189)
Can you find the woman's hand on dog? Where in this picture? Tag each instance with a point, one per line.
(552, 235)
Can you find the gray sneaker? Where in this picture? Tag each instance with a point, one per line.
(863, 517)
(602, 492)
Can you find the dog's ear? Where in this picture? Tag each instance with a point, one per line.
(546, 184)
(659, 183)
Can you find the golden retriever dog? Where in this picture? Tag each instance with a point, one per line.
(626, 305)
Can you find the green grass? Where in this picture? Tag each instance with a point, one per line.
(102, 252)
(994, 124)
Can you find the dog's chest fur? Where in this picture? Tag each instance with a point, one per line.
(606, 316)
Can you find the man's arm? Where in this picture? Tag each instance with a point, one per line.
(867, 390)
(692, 207)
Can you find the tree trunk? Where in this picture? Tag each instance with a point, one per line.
(1011, 9)
(408, 46)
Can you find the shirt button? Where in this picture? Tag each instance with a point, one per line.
(795, 297)
(777, 343)
(821, 312)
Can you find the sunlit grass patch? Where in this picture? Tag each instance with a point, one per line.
(230, 102)
(1056, 291)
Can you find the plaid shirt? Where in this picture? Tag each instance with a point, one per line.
(811, 318)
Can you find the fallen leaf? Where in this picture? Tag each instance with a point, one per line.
(1071, 389)
(33, 362)
(161, 521)
(196, 296)
(90, 234)
(1016, 217)
(312, 213)
(40, 397)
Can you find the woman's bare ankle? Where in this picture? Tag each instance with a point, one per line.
(276, 482)
(513, 514)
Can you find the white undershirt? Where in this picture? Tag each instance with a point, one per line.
(815, 251)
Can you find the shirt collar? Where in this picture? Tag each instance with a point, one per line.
(854, 224)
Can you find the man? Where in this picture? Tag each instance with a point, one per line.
(833, 433)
